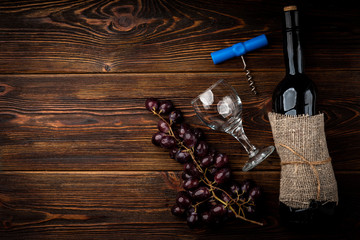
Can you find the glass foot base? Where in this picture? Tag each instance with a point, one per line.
(260, 156)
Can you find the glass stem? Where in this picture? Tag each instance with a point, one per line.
(239, 134)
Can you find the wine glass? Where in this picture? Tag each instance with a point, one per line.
(220, 108)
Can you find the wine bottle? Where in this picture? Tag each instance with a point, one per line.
(296, 93)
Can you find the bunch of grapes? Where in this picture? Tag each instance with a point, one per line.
(210, 195)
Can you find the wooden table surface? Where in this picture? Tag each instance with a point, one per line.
(77, 160)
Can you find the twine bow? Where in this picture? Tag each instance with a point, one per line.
(311, 164)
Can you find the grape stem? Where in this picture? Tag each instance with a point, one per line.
(199, 203)
(238, 215)
(169, 125)
(208, 182)
(171, 133)
(249, 220)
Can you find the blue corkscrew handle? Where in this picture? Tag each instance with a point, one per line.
(239, 49)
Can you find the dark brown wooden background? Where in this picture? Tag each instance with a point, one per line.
(76, 155)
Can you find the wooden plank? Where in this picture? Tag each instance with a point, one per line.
(166, 36)
(98, 122)
(76, 161)
(135, 205)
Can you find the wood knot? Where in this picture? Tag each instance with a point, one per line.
(124, 21)
(7, 224)
(107, 68)
(4, 89)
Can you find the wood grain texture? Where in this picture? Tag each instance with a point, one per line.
(131, 205)
(99, 122)
(166, 36)
(76, 159)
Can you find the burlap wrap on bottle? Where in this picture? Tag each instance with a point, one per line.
(306, 169)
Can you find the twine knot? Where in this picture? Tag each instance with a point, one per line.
(311, 164)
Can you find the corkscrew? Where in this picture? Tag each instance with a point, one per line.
(239, 50)
(249, 77)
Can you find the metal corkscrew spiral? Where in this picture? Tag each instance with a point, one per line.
(249, 77)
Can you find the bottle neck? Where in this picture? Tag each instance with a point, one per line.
(292, 45)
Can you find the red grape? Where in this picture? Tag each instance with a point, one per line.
(201, 149)
(191, 183)
(222, 175)
(218, 210)
(234, 188)
(211, 203)
(182, 156)
(183, 199)
(152, 104)
(245, 185)
(165, 106)
(190, 139)
(206, 161)
(156, 138)
(206, 217)
(175, 116)
(172, 152)
(221, 160)
(201, 194)
(177, 211)
(251, 209)
(255, 193)
(183, 129)
(168, 142)
(193, 220)
(191, 169)
(163, 126)
(190, 210)
(185, 176)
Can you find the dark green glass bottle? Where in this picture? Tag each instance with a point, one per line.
(296, 93)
